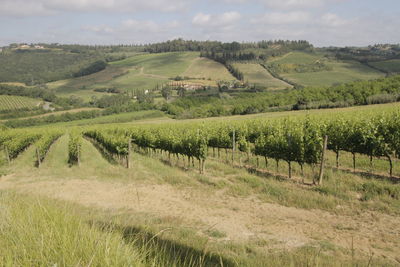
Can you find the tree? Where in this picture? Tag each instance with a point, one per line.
(181, 91)
(145, 97)
(166, 92)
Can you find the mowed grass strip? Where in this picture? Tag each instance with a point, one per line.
(8, 102)
(256, 74)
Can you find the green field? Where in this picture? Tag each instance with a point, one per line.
(341, 71)
(256, 74)
(390, 66)
(296, 58)
(84, 86)
(42, 66)
(165, 65)
(17, 102)
(147, 116)
(204, 68)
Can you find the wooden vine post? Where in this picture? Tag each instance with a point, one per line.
(321, 170)
(7, 155)
(38, 157)
(128, 157)
(233, 146)
(79, 155)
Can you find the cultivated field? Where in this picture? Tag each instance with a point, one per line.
(256, 74)
(390, 66)
(17, 102)
(205, 68)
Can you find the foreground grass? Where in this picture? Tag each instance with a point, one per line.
(42, 232)
(35, 232)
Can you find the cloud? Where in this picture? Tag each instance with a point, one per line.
(50, 7)
(333, 20)
(23, 8)
(133, 31)
(289, 4)
(279, 18)
(224, 19)
(284, 4)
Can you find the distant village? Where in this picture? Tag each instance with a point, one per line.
(14, 47)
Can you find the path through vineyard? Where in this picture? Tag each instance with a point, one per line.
(166, 192)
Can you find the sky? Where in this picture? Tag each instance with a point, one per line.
(105, 22)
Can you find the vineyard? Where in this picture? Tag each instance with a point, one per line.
(300, 144)
(8, 103)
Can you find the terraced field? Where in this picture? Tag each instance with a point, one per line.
(256, 74)
(17, 102)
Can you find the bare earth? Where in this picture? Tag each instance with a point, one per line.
(240, 218)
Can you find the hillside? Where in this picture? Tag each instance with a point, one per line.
(317, 69)
(257, 75)
(35, 67)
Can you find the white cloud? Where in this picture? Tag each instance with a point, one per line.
(140, 26)
(98, 29)
(47, 7)
(207, 20)
(288, 4)
(133, 31)
(333, 20)
(279, 18)
(23, 8)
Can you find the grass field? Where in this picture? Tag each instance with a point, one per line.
(84, 86)
(18, 102)
(129, 117)
(208, 69)
(256, 74)
(390, 66)
(167, 65)
(296, 58)
(341, 71)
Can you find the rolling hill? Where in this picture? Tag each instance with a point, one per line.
(315, 69)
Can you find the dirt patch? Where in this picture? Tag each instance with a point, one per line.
(241, 219)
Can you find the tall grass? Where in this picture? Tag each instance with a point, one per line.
(35, 232)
